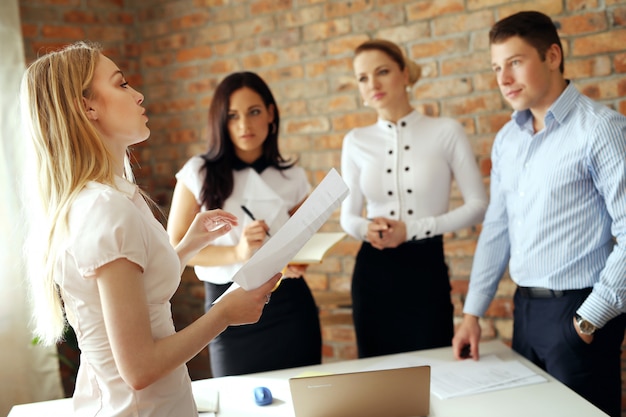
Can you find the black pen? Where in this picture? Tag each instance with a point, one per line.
(249, 213)
(380, 232)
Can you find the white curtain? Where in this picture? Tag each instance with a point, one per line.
(28, 373)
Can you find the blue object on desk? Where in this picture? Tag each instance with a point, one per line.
(262, 396)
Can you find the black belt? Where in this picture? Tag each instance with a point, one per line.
(537, 292)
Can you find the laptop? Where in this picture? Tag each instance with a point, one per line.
(401, 392)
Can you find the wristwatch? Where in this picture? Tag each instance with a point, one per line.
(586, 327)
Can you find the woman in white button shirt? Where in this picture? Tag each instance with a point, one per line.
(243, 167)
(400, 171)
(97, 252)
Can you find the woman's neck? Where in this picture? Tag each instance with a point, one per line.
(396, 113)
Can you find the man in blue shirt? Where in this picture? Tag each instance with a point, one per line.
(556, 217)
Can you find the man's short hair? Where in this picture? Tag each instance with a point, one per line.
(535, 28)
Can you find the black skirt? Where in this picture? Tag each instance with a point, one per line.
(401, 298)
(287, 335)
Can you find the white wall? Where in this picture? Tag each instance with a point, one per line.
(27, 373)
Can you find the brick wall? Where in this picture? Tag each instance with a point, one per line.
(176, 52)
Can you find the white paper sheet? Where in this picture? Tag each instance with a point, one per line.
(454, 379)
(276, 253)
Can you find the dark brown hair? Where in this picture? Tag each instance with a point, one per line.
(535, 28)
(220, 156)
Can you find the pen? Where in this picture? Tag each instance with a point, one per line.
(380, 232)
(249, 213)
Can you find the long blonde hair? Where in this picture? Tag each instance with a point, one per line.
(67, 153)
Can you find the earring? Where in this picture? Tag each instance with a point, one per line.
(273, 128)
(407, 88)
(365, 103)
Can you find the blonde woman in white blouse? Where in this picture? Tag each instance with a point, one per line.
(400, 170)
(99, 257)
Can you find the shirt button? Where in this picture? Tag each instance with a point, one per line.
(389, 192)
(392, 213)
(390, 152)
(406, 168)
(407, 147)
(409, 191)
(410, 211)
(389, 126)
(403, 124)
(428, 233)
(388, 170)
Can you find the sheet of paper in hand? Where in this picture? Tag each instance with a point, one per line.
(281, 248)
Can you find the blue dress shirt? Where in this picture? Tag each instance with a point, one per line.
(557, 213)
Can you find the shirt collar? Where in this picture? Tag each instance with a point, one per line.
(259, 165)
(125, 186)
(386, 124)
(557, 111)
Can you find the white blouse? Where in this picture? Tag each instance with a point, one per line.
(403, 171)
(106, 224)
(268, 195)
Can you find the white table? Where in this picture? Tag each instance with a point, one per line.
(550, 398)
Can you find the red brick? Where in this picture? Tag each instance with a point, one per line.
(213, 33)
(406, 33)
(485, 166)
(619, 62)
(492, 123)
(619, 16)
(350, 121)
(193, 54)
(29, 31)
(333, 104)
(63, 32)
(599, 43)
(326, 30)
(264, 59)
(584, 23)
(611, 88)
(269, 6)
(500, 307)
(344, 44)
(254, 26)
(462, 23)
(483, 4)
(331, 66)
(81, 17)
(190, 21)
(577, 5)
(473, 104)
(441, 88)
(426, 9)
(440, 47)
(549, 7)
(337, 9)
(302, 16)
(329, 141)
(379, 19)
(476, 62)
(596, 66)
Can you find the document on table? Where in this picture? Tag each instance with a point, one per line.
(455, 379)
(281, 248)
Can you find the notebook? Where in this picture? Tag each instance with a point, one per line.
(401, 392)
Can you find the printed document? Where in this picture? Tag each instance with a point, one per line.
(281, 248)
(455, 379)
